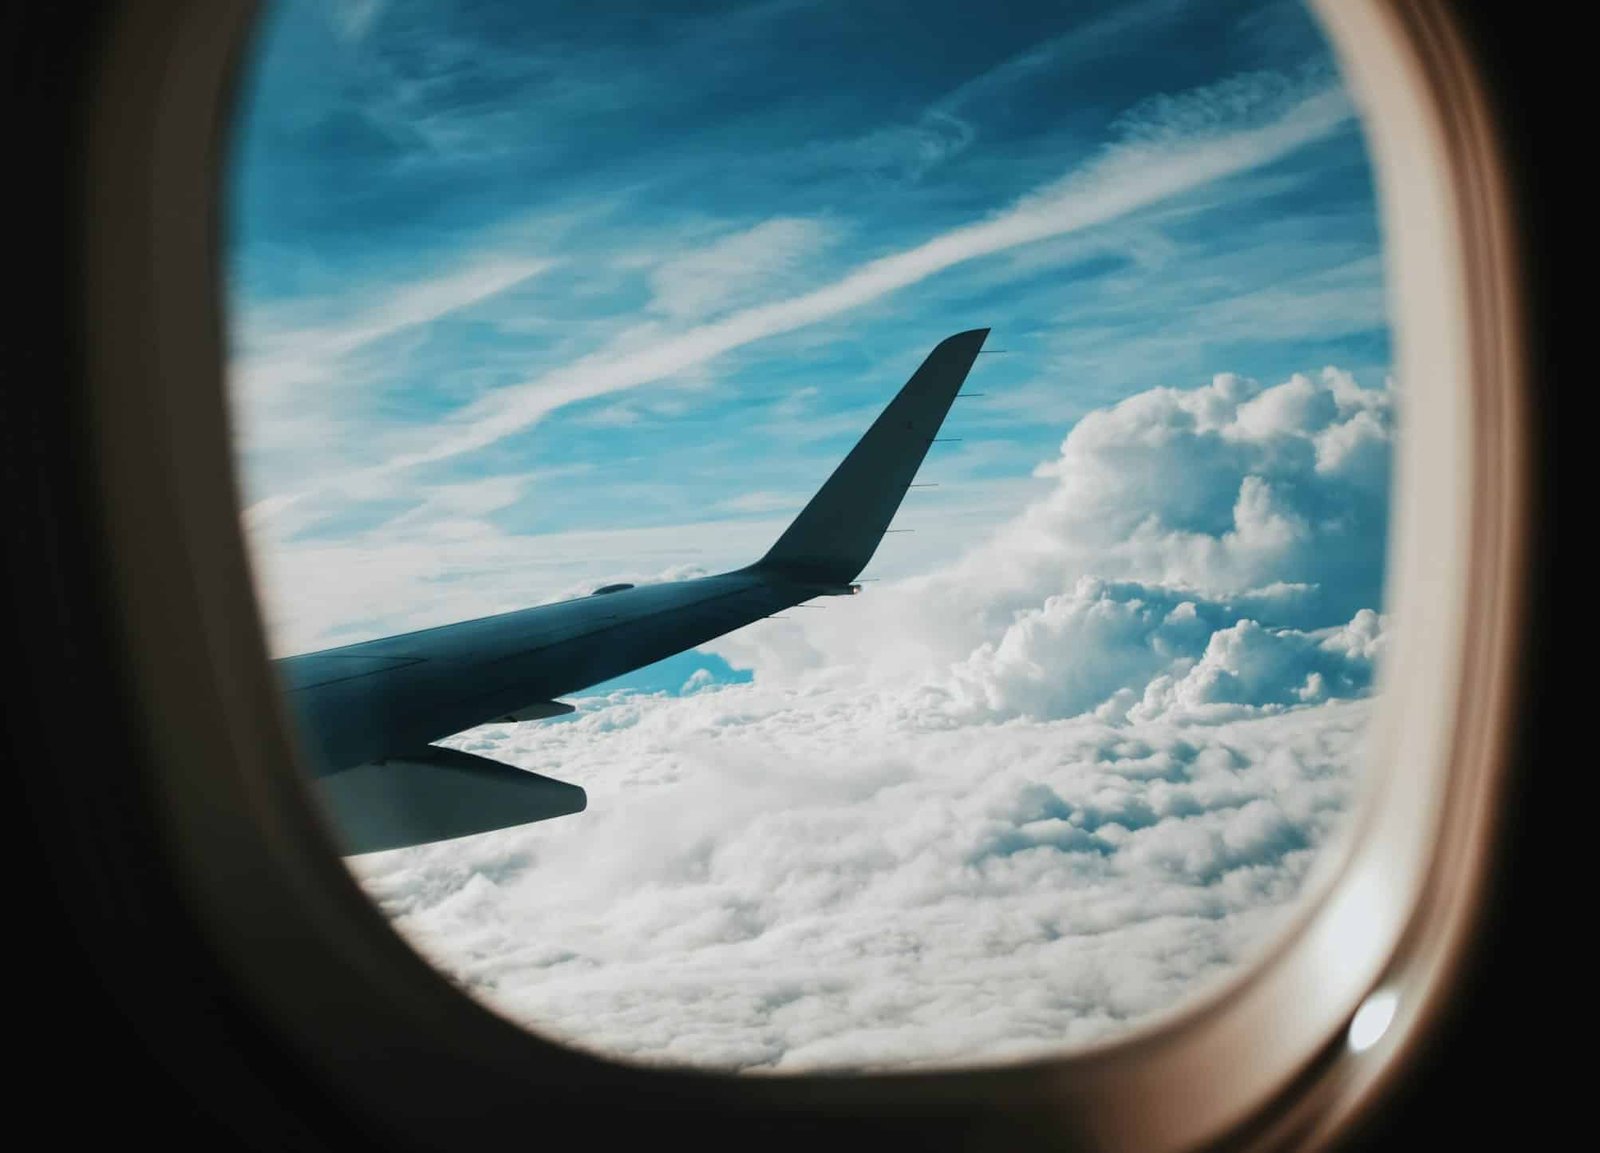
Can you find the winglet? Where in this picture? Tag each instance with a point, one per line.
(836, 534)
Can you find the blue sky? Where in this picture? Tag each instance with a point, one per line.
(441, 212)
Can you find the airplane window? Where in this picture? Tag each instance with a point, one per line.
(809, 536)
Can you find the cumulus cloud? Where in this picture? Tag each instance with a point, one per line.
(1242, 500)
(1130, 649)
(1016, 804)
(771, 882)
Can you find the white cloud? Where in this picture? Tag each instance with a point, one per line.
(1269, 502)
(284, 354)
(353, 18)
(762, 500)
(771, 882)
(1060, 784)
(900, 151)
(1103, 646)
(731, 268)
(291, 367)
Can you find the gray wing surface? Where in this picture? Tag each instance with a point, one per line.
(836, 534)
(369, 712)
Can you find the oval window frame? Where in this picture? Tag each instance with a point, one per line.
(1261, 1057)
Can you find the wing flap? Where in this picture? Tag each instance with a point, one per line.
(437, 794)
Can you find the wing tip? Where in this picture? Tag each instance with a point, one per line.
(840, 528)
(974, 336)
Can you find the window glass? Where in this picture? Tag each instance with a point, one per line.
(528, 300)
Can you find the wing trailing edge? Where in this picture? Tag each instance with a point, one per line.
(436, 794)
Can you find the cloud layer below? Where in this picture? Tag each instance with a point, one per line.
(1020, 803)
(768, 882)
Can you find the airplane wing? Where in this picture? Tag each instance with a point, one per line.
(368, 712)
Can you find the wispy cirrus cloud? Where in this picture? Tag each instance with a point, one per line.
(285, 370)
(909, 150)
(1122, 180)
(288, 378)
(733, 267)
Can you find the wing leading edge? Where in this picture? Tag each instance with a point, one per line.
(368, 712)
